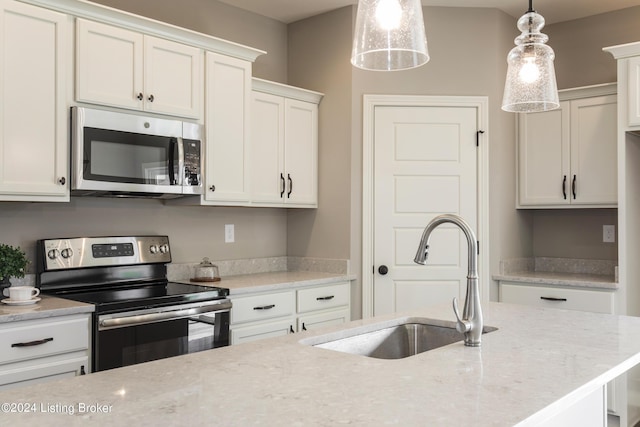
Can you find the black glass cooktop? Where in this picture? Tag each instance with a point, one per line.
(132, 297)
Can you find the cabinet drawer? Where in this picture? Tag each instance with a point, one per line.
(319, 298)
(569, 299)
(263, 306)
(40, 338)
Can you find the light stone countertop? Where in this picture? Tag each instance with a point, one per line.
(577, 280)
(282, 382)
(266, 282)
(48, 306)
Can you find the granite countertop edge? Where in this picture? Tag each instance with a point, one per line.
(48, 306)
(591, 281)
(274, 281)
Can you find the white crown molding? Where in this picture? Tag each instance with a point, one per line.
(108, 15)
(588, 91)
(287, 91)
(624, 50)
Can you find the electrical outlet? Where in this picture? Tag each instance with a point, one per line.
(229, 233)
(609, 233)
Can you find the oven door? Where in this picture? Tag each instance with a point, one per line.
(123, 339)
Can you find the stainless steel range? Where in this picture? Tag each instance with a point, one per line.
(139, 315)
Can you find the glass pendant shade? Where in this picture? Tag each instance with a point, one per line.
(389, 35)
(531, 78)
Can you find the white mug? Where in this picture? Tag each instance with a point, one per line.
(23, 293)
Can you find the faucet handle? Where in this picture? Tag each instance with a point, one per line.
(462, 326)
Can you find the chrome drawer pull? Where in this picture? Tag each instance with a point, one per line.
(264, 307)
(31, 343)
(553, 299)
(325, 298)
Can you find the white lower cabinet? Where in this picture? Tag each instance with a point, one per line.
(272, 314)
(34, 351)
(594, 301)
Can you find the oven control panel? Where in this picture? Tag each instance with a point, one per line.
(83, 252)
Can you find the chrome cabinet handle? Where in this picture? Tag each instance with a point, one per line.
(264, 307)
(32, 343)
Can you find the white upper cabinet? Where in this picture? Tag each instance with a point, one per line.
(35, 60)
(122, 68)
(568, 157)
(284, 145)
(228, 95)
(634, 91)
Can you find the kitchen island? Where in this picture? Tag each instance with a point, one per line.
(540, 363)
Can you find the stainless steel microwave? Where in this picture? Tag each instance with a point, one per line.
(126, 155)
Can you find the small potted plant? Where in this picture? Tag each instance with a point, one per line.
(13, 263)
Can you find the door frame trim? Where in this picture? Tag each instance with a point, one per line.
(370, 102)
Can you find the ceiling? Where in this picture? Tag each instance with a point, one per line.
(553, 10)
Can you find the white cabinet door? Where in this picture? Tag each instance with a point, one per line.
(567, 157)
(634, 91)
(109, 65)
(593, 150)
(34, 59)
(327, 318)
(301, 153)
(543, 150)
(45, 369)
(267, 149)
(172, 78)
(261, 330)
(228, 96)
(123, 68)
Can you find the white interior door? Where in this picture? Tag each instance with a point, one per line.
(425, 164)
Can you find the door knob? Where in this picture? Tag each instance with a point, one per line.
(383, 269)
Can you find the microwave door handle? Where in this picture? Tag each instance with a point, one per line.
(173, 179)
(180, 173)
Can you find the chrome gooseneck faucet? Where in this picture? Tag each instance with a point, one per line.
(471, 323)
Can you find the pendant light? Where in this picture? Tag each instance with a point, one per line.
(389, 35)
(531, 78)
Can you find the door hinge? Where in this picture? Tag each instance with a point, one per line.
(478, 137)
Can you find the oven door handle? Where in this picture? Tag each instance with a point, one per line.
(140, 319)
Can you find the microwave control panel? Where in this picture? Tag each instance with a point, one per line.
(192, 167)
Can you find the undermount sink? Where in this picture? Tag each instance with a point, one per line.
(397, 341)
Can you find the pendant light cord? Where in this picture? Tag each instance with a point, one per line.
(530, 6)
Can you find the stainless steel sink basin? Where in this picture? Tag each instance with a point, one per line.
(398, 341)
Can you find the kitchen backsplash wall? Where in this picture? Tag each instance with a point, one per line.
(194, 232)
(574, 233)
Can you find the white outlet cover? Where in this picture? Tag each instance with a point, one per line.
(609, 233)
(229, 233)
